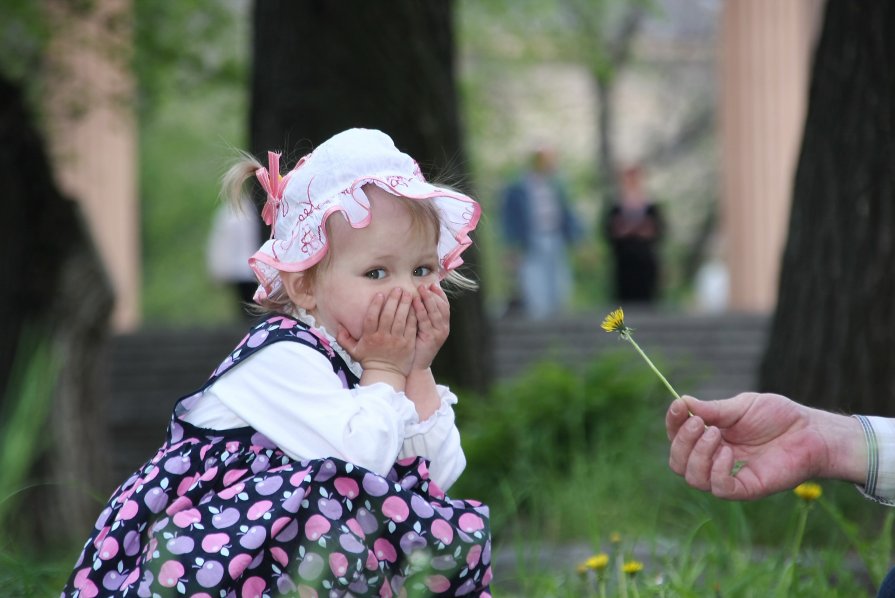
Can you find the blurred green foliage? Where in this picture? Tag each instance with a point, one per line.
(26, 569)
(543, 438)
(23, 36)
(193, 103)
(185, 147)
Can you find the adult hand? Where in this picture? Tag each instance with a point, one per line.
(779, 442)
(433, 316)
(388, 339)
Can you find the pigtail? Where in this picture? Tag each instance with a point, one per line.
(233, 181)
(455, 282)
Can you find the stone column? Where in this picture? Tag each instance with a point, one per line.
(92, 134)
(764, 63)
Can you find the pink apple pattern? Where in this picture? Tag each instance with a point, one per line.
(226, 513)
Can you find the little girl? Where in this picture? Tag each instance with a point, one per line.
(313, 461)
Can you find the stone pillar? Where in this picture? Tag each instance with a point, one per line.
(92, 134)
(764, 62)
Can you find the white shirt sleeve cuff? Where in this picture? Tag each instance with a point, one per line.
(444, 412)
(879, 433)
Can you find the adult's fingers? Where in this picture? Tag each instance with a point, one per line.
(683, 442)
(725, 485)
(698, 472)
(675, 417)
(722, 413)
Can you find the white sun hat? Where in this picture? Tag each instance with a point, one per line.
(330, 179)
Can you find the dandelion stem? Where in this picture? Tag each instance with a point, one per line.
(789, 573)
(649, 362)
(615, 322)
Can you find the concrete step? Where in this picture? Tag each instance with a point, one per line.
(722, 352)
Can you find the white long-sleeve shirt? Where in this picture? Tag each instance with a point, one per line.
(288, 392)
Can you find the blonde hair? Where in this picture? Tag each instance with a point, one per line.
(424, 216)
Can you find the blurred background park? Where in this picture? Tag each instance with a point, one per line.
(762, 131)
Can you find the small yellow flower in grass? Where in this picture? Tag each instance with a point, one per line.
(808, 491)
(597, 562)
(615, 538)
(632, 567)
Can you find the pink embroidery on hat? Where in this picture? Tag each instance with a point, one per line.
(309, 207)
(311, 242)
(396, 181)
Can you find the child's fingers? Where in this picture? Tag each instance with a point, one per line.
(436, 304)
(436, 288)
(387, 316)
(371, 319)
(346, 340)
(424, 324)
(411, 329)
(399, 324)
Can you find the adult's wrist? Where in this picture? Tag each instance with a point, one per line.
(847, 450)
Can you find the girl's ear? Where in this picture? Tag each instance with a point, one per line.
(298, 289)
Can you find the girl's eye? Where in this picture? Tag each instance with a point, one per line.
(376, 274)
(422, 271)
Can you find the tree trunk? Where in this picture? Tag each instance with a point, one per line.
(832, 341)
(54, 286)
(321, 67)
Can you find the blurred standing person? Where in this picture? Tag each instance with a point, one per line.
(634, 228)
(539, 226)
(235, 235)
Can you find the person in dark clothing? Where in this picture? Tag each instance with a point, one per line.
(633, 228)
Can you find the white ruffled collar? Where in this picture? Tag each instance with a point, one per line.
(303, 316)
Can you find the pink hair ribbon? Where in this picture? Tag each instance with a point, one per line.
(273, 184)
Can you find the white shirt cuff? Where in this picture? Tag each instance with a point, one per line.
(879, 433)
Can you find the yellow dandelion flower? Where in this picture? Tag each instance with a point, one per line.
(808, 491)
(597, 562)
(582, 568)
(615, 537)
(615, 321)
(632, 567)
